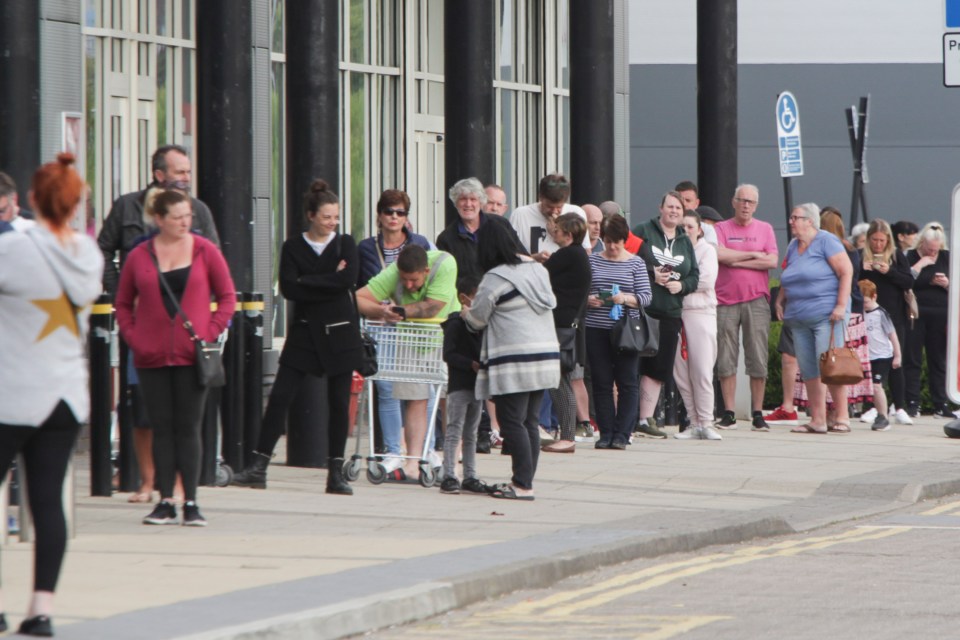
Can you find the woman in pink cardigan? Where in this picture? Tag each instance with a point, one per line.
(163, 351)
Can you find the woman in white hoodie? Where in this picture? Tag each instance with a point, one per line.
(697, 355)
(49, 275)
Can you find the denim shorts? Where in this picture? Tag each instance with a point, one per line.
(812, 338)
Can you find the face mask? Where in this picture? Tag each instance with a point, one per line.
(179, 185)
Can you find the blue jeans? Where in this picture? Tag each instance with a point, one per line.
(391, 416)
(812, 338)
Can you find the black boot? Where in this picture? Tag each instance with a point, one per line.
(336, 483)
(255, 475)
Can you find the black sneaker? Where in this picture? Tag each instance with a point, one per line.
(475, 485)
(913, 409)
(602, 443)
(163, 513)
(727, 421)
(880, 423)
(759, 424)
(450, 485)
(191, 515)
(943, 411)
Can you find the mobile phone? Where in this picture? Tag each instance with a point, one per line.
(666, 268)
(605, 295)
(400, 311)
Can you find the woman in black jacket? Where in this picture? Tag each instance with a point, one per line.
(318, 271)
(886, 267)
(930, 264)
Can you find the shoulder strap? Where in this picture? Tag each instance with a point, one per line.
(398, 292)
(163, 281)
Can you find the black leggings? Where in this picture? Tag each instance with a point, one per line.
(46, 451)
(175, 402)
(285, 388)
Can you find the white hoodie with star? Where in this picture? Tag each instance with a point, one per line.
(42, 339)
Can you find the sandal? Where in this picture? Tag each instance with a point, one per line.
(507, 492)
(807, 428)
(840, 427)
(145, 497)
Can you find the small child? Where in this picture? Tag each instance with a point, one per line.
(461, 352)
(884, 350)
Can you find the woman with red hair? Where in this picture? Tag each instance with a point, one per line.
(49, 275)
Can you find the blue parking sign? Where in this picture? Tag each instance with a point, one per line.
(953, 13)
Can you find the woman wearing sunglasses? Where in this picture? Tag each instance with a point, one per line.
(376, 254)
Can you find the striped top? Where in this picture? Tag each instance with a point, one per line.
(631, 276)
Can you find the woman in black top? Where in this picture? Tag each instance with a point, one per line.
(886, 267)
(318, 271)
(930, 264)
(569, 270)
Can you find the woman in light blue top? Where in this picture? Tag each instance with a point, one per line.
(814, 295)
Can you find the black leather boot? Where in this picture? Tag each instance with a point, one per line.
(336, 483)
(255, 475)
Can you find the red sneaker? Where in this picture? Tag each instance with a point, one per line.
(780, 416)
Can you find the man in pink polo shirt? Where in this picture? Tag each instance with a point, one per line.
(747, 250)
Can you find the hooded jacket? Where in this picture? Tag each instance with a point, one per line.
(42, 345)
(677, 253)
(513, 307)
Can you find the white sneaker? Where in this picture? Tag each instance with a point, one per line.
(709, 433)
(691, 433)
(436, 460)
(869, 416)
(902, 417)
(391, 462)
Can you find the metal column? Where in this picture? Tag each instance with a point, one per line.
(20, 97)
(591, 101)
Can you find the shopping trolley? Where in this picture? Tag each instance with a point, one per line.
(409, 351)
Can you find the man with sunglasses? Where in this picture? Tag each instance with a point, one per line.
(9, 206)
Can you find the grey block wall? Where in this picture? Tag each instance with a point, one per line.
(262, 170)
(61, 71)
(913, 149)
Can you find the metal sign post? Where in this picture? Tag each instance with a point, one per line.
(952, 428)
(789, 149)
(857, 122)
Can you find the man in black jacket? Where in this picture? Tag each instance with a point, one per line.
(459, 239)
(125, 222)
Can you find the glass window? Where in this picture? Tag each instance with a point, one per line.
(277, 22)
(186, 18)
(163, 17)
(277, 187)
(357, 31)
(184, 111)
(358, 159)
(164, 70)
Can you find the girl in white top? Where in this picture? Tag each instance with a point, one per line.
(49, 275)
(697, 355)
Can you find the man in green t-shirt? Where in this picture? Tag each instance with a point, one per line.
(420, 284)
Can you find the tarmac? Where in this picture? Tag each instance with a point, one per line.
(293, 562)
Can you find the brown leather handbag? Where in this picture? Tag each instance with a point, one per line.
(840, 364)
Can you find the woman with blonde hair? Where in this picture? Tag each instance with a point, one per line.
(886, 267)
(930, 266)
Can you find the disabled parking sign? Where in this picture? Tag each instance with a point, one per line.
(788, 136)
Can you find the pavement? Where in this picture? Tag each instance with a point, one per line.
(293, 562)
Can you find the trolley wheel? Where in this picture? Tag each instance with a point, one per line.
(376, 474)
(427, 476)
(224, 475)
(351, 469)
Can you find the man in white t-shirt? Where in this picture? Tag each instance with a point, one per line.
(534, 222)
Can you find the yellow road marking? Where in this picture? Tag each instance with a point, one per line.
(944, 508)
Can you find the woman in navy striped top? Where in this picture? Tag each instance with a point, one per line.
(614, 266)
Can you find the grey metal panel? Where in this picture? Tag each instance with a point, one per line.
(621, 52)
(263, 264)
(911, 152)
(261, 124)
(61, 78)
(621, 150)
(61, 10)
(261, 23)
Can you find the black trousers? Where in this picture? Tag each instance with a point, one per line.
(898, 386)
(175, 403)
(929, 333)
(46, 451)
(285, 388)
(518, 415)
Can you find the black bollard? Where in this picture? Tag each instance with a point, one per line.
(253, 374)
(231, 401)
(101, 401)
(129, 469)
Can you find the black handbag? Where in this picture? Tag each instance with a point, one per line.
(209, 360)
(368, 366)
(567, 337)
(639, 335)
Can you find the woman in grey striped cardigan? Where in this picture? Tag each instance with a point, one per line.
(519, 356)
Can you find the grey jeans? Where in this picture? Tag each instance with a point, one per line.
(463, 417)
